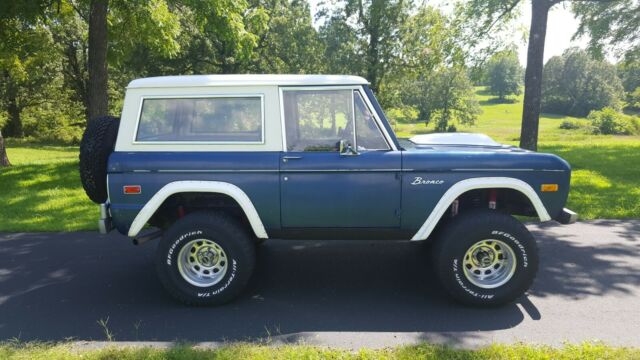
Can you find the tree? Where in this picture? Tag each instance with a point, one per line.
(98, 97)
(444, 96)
(341, 47)
(27, 67)
(504, 74)
(575, 84)
(425, 44)
(4, 160)
(375, 24)
(633, 99)
(611, 26)
(614, 22)
(533, 73)
(429, 74)
(287, 41)
(629, 72)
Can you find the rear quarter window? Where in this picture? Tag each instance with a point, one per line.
(219, 119)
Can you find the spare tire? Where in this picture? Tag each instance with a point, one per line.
(97, 144)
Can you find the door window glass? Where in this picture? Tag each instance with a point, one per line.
(368, 134)
(316, 120)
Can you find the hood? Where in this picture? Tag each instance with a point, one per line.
(456, 142)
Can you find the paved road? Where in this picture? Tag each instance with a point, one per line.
(57, 286)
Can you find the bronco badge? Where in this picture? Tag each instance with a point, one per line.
(420, 181)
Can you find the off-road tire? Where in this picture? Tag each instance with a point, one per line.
(466, 230)
(97, 144)
(225, 231)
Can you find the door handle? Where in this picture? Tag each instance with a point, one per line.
(290, 157)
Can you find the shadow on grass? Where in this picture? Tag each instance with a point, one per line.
(44, 197)
(604, 182)
(483, 91)
(497, 101)
(553, 116)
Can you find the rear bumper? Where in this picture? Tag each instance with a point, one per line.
(105, 224)
(566, 216)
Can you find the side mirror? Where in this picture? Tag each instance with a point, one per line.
(346, 149)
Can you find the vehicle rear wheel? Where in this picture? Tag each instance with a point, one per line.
(205, 258)
(485, 258)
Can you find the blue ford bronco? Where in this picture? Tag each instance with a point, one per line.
(213, 165)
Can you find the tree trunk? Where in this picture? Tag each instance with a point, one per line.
(98, 97)
(13, 127)
(4, 160)
(533, 74)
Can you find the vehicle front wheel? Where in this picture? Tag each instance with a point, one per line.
(485, 258)
(205, 259)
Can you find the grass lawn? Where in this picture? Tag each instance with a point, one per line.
(42, 191)
(585, 351)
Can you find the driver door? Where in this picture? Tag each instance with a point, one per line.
(336, 172)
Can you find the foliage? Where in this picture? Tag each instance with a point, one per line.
(610, 25)
(429, 75)
(398, 45)
(629, 72)
(610, 122)
(504, 74)
(27, 74)
(575, 84)
(633, 99)
(370, 29)
(287, 43)
(445, 97)
(404, 114)
(570, 125)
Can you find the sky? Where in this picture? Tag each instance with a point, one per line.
(561, 26)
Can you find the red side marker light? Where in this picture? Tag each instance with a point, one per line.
(132, 189)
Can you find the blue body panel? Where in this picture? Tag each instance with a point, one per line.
(256, 173)
(452, 166)
(328, 190)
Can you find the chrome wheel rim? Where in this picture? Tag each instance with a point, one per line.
(489, 263)
(202, 262)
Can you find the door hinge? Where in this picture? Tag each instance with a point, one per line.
(398, 212)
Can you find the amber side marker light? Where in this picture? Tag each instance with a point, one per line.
(132, 189)
(549, 187)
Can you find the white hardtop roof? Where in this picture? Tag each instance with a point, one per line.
(245, 80)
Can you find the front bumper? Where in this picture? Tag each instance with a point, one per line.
(566, 216)
(105, 224)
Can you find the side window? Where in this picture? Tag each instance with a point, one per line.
(206, 119)
(368, 134)
(317, 120)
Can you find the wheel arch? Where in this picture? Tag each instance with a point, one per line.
(214, 187)
(472, 184)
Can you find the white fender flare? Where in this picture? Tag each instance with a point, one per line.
(479, 183)
(199, 186)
